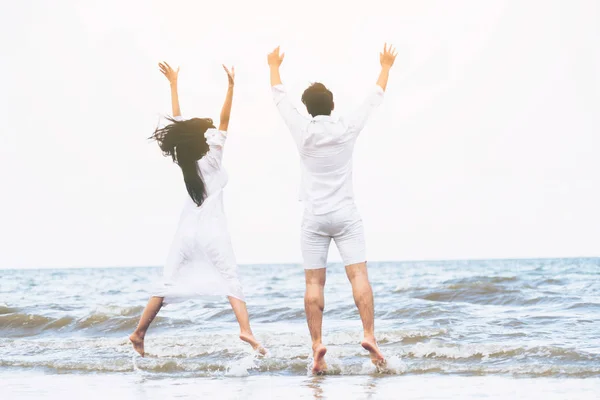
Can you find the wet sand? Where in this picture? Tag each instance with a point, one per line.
(31, 385)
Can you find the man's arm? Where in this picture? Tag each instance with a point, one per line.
(226, 110)
(386, 59)
(290, 114)
(359, 118)
(172, 76)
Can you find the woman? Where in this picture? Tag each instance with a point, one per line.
(201, 259)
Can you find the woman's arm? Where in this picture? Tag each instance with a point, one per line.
(172, 75)
(226, 110)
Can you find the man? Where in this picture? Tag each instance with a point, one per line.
(326, 145)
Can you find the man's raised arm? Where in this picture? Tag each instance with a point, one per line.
(386, 59)
(360, 116)
(275, 59)
(290, 114)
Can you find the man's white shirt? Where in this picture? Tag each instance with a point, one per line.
(326, 145)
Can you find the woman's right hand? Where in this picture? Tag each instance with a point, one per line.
(230, 75)
(169, 72)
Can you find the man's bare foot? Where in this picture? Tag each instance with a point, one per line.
(376, 357)
(138, 343)
(319, 364)
(251, 340)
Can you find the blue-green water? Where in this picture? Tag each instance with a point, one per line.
(504, 318)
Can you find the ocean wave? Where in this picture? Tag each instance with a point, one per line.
(247, 365)
(485, 294)
(494, 290)
(584, 306)
(409, 336)
(279, 314)
(23, 324)
(491, 351)
(217, 354)
(7, 310)
(19, 324)
(414, 312)
(481, 279)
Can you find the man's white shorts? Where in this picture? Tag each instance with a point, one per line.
(344, 226)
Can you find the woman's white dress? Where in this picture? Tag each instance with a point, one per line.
(201, 261)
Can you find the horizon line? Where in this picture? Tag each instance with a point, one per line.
(336, 262)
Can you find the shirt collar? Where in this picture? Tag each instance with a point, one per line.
(325, 118)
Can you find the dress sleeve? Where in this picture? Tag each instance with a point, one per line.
(166, 120)
(216, 141)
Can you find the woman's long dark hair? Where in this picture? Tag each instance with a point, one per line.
(185, 143)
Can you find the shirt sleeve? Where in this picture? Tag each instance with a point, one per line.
(295, 121)
(357, 121)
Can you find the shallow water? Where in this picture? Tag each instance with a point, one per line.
(504, 319)
(27, 386)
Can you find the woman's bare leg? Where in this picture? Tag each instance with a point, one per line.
(137, 337)
(241, 313)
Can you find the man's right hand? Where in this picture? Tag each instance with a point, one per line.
(274, 58)
(388, 56)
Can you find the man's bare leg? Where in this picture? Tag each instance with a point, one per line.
(314, 303)
(137, 337)
(363, 298)
(241, 313)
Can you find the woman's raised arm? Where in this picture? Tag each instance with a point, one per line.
(172, 75)
(226, 110)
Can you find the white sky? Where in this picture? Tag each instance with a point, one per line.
(486, 145)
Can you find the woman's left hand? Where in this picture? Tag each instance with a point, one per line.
(169, 72)
(230, 75)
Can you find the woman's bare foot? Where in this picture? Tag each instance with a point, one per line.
(251, 340)
(319, 364)
(138, 343)
(376, 357)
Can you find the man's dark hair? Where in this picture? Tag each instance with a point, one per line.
(318, 99)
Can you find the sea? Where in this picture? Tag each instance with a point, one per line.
(480, 329)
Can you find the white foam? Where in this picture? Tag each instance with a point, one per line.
(240, 368)
(367, 368)
(435, 349)
(395, 365)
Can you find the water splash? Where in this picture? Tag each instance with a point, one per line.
(241, 368)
